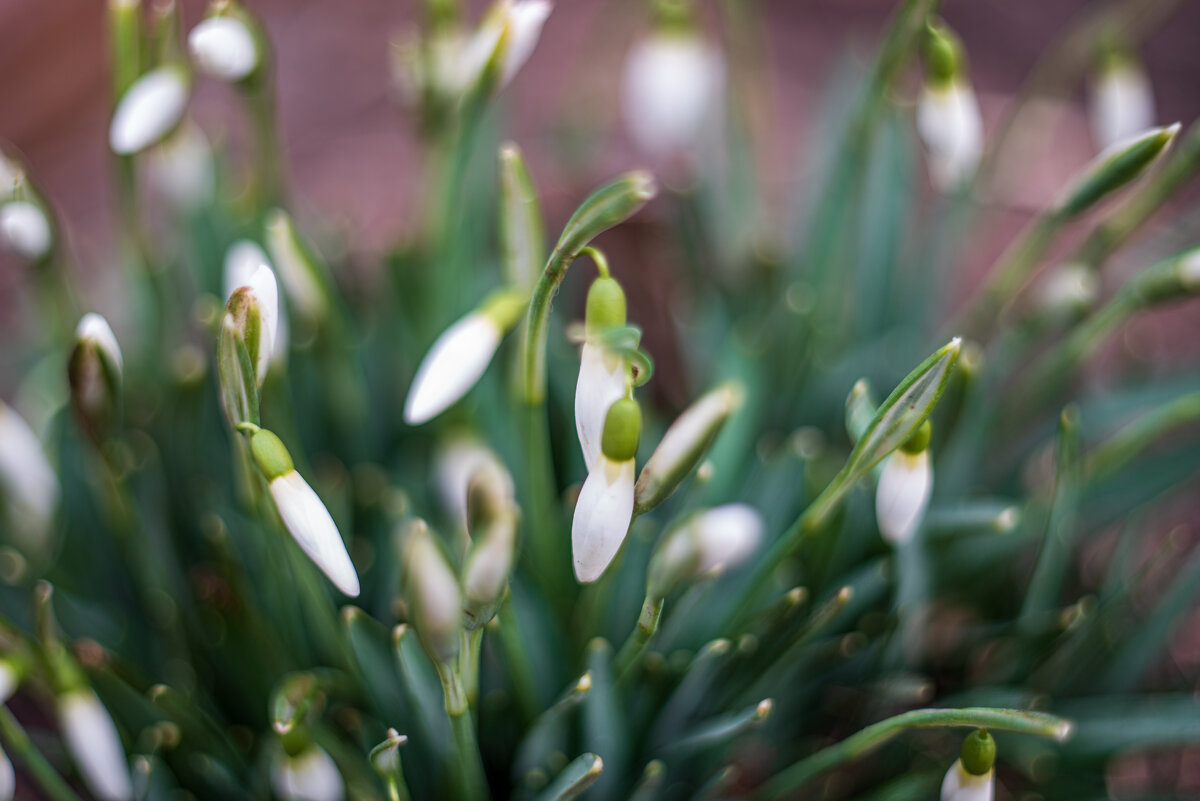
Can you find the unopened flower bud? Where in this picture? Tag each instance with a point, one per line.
(905, 485)
(224, 48)
(1122, 102)
(310, 775)
(95, 371)
(488, 566)
(604, 509)
(506, 39)
(603, 375)
(684, 445)
(29, 488)
(948, 118)
(247, 269)
(25, 229)
(456, 462)
(711, 540)
(434, 598)
(296, 267)
(972, 776)
(304, 515)
(458, 358)
(1119, 165)
(94, 744)
(149, 110)
(1068, 290)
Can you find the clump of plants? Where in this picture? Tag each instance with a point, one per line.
(310, 528)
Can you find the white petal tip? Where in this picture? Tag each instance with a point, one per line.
(223, 48)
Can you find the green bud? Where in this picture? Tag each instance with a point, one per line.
(605, 305)
(944, 59)
(622, 430)
(978, 752)
(1113, 170)
(270, 454)
(919, 441)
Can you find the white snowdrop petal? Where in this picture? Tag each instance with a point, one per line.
(525, 21)
(311, 775)
(905, 485)
(602, 516)
(148, 110)
(91, 738)
(726, 535)
(951, 126)
(960, 785)
(8, 778)
(247, 265)
(28, 484)
(223, 48)
(95, 329)
(1122, 105)
(672, 86)
(25, 229)
(601, 383)
(309, 523)
(454, 363)
(8, 682)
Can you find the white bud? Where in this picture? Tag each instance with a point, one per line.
(454, 363)
(149, 110)
(603, 380)
(223, 48)
(29, 488)
(181, 168)
(902, 496)
(313, 529)
(311, 775)
(1069, 287)
(455, 462)
(8, 778)
(672, 89)
(602, 516)
(433, 594)
(95, 330)
(726, 535)
(92, 740)
(487, 569)
(1188, 270)
(951, 126)
(295, 268)
(1122, 103)
(9, 681)
(513, 26)
(961, 785)
(25, 229)
(246, 265)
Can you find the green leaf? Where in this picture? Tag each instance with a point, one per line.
(576, 777)
(522, 237)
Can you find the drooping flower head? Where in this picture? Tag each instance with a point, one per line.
(949, 121)
(604, 509)
(905, 484)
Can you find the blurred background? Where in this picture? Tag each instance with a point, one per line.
(353, 151)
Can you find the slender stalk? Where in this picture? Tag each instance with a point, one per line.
(647, 625)
(857, 745)
(469, 771)
(468, 657)
(42, 772)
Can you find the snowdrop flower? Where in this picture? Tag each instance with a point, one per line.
(458, 358)
(303, 513)
(1122, 102)
(707, 542)
(506, 38)
(1068, 288)
(488, 565)
(456, 461)
(673, 86)
(905, 485)
(94, 371)
(25, 229)
(8, 778)
(948, 118)
(149, 110)
(92, 740)
(603, 375)
(223, 48)
(310, 775)
(246, 265)
(433, 594)
(295, 267)
(95, 331)
(181, 169)
(605, 506)
(972, 777)
(685, 442)
(29, 487)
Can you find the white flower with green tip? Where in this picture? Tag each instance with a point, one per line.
(310, 775)
(905, 485)
(603, 375)
(604, 509)
(94, 744)
(246, 265)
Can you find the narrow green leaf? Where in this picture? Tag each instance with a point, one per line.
(522, 237)
(576, 777)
